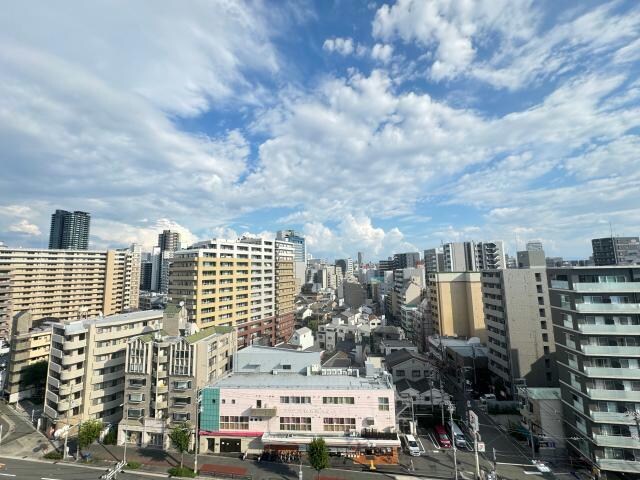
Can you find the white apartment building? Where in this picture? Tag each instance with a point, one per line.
(67, 284)
(86, 366)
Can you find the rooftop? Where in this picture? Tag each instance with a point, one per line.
(542, 393)
(207, 332)
(79, 325)
(398, 343)
(301, 381)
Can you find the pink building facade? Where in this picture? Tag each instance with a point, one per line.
(254, 413)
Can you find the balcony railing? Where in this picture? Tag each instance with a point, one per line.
(608, 307)
(598, 394)
(560, 284)
(616, 441)
(601, 372)
(607, 287)
(609, 329)
(622, 351)
(612, 417)
(627, 466)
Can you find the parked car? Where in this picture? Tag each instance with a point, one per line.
(441, 437)
(412, 446)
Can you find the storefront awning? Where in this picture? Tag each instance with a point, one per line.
(343, 441)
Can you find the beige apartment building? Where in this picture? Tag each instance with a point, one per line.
(67, 284)
(30, 345)
(285, 291)
(86, 366)
(455, 304)
(164, 373)
(229, 283)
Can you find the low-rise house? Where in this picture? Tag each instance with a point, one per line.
(390, 346)
(422, 393)
(410, 365)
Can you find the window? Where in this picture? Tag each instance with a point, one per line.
(181, 416)
(400, 373)
(538, 277)
(543, 325)
(542, 312)
(383, 404)
(135, 412)
(234, 423)
(136, 397)
(137, 382)
(545, 337)
(415, 373)
(295, 399)
(339, 424)
(181, 401)
(546, 350)
(182, 384)
(338, 400)
(539, 288)
(295, 423)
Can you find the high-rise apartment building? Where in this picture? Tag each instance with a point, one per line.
(228, 283)
(162, 256)
(455, 304)
(534, 246)
(346, 266)
(30, 344)
(168, 240)
(67, 284)
(163, 374)
(473, 256)
(69, 230)
(299, 243)
(285, 291)
(434, 260)
(406, 260)
(533, 256)
(616, 250)
(596, 318)
(86, 366)
(520, 334)
(489, 255)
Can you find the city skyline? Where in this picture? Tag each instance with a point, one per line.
(383, 128)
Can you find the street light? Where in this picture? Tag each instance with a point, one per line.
(453, 441)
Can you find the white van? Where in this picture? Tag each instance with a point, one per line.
(457, 436)
(412, 446)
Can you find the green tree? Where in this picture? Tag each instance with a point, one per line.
(318, 455)
(180, 437)
(89, 432)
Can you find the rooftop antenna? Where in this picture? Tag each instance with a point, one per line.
(610, 229)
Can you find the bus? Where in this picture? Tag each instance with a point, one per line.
(456, 435)
(441, 437)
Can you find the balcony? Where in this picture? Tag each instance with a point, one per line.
(609, 329)
(598, 372)
(615, 441)
(67, 375)
(606, 287)
(612, 417)
(598, 350)
(563, 284)
(631, 308)
(159, 405)
(597, 394)
(50, 412)
(619, 465)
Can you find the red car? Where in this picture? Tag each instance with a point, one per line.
(441, 437)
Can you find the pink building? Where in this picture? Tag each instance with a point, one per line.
(280, 411)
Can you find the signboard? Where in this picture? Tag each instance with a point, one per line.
(481, 447)
(473, 422)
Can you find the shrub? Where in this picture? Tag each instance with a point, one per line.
(53, 455)
(182, 472)
(133, 465)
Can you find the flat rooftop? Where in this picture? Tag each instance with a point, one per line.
(78, 325)
(300, 381)
(542, 393)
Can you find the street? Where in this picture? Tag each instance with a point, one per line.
(37, 470)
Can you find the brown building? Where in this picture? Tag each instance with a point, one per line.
(455, 304)
(285, 290)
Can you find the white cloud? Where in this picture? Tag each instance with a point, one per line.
(24, 227)
(453, 29)
(343, 46)
(352, 234)
(382, 52)
(109, 233)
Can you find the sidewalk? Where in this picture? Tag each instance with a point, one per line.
(159, 461)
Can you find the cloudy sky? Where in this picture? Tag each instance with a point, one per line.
(378, 127)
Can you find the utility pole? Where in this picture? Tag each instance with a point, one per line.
(473, 424)
(495, 465)
(195, 462)
(441, 400)
(530, 422)
(453, 443)
(66, 437)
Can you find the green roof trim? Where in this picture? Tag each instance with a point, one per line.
(206, 332)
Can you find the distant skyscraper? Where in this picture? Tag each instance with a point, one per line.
(360, 258)
(534, 246)
(300, 253)
(406, 260)
(433, 260)
(168, 243)
(616, 250)
(69, 230)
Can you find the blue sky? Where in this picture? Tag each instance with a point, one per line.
(380, 126)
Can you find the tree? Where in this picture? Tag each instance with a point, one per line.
(89, 432)
(180, 437)
(318, 455)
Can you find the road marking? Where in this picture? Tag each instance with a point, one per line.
(7, 474)
(516, 464)
(46, 478)
(529, 472)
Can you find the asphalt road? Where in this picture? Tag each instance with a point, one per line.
(34, 470)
